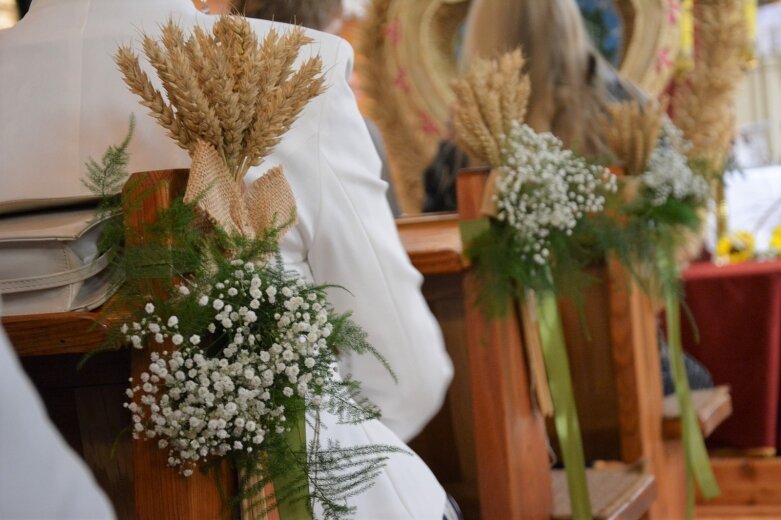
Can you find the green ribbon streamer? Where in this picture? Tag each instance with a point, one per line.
(298, 508)
(471, 229)
(698, 466)
(565, 414)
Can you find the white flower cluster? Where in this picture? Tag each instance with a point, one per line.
(153, 326)
(668, 174)
(271, 347)
(545, 188)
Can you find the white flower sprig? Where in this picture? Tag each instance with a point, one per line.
(545, 188)
(668, 175)
(271, 333)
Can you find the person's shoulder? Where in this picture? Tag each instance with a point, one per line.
(331, 48)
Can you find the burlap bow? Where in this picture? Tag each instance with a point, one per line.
(268, 201)
(488, 206)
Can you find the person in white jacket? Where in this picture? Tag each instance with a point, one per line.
(40, 476)
(62, 100)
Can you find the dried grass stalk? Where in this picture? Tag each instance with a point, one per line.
(225, 88)
(631, 131)
(394, 102)
(704, 100)
(491, 95)
(138, 82)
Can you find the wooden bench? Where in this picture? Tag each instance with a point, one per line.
(159, 492)
(434, 246)
(502, 467)
(713, 406)
(454, 444)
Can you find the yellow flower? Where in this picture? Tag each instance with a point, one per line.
(775, 240)
(735, 247)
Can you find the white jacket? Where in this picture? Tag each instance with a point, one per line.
(41, 476)
(62, 100)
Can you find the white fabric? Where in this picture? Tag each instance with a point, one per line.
(61, 100)
(753, 204)
(355, 8)
(40, 476)
(769, 30)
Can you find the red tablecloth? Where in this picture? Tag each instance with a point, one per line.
(737, 310)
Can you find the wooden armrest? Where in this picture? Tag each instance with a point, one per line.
(616, 494)
(713, 406)
(56, 333)
(433, 243)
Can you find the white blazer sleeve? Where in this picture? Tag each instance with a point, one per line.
(356, 245)
(40, 476)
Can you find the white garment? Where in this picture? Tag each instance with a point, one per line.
(754, 203)
(40, 476)
(769, 30)
(62, 100)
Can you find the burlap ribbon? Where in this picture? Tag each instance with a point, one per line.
(268, 201)
(488, 206)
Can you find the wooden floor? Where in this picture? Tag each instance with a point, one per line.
(738, 512)
(751, 489)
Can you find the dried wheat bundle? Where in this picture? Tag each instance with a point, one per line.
(703, 104)
(225, 87)
(491, 95)
(631, 130)
(393, 103)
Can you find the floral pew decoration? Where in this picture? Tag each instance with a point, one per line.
(243, 353)
(657, 230)
(536, 204)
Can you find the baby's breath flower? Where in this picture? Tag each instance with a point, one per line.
(545, 188)
(668, 175)
(199, 403)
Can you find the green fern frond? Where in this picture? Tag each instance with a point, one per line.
(108, 177)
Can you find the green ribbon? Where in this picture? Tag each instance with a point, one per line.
(471, 229)
(565, 414)
(298, 508)
(698, 466)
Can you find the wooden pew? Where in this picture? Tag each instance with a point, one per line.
(450, 444)
(646, 427)
(499, 466)
(159, 492)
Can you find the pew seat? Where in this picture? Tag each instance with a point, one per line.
(713, 406)
(616, 493)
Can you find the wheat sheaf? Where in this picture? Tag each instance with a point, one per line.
(631, 130)
(491, 96)
(225, 87)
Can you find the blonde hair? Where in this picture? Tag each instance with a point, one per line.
(561, 63)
